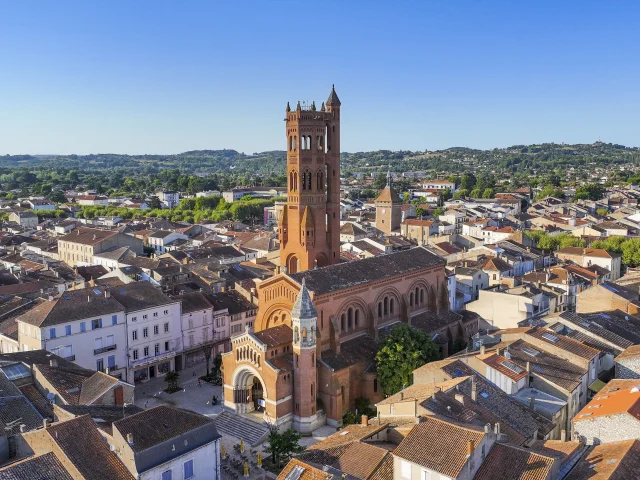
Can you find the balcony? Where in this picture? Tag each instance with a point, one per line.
(108, 348)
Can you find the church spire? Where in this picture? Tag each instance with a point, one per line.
(389, 179)
(333, 97)
(303, 308)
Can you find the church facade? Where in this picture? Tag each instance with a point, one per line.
(311, 352)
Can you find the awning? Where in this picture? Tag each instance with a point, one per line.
(596, 386)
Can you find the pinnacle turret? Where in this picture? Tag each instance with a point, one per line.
(333, 97)
(303, 308)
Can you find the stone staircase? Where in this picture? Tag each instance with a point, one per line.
(239, 427)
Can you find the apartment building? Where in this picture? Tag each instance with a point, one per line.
(86, 326)
(154, 336)
(79, 246)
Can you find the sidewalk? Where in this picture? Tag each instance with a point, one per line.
(193, 397)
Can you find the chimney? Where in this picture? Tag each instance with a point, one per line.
(497, 429)
(88, 298)
(364, 420)
(401, 395)
(107, 293)
(470, 448)
(45, 423)
(50, 298)
(482, 349)
(53, 363)
(130, 438)
(23, 428)
(106, 370)
(487, 428)
(460, 398)
(563, 435)
(474, 389)
(528, 366)
(498, 351)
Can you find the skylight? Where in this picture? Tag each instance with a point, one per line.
(530, 351)
(16, 371)
(550, 337)
(512, 366)
(484, 394)
(295, 473)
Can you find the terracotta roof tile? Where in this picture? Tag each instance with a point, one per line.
(34, 467)
(616, 397)
(609, 461)
(506, 462)
(439, 446)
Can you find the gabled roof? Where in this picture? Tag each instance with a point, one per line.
(88, 236)
(34, 467)
(439, 446)
(615, 398)
(506, 462)
(85, 449)
(609, 461)
(357, 273)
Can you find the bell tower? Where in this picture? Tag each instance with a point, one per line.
(309, 228)
(304, 323)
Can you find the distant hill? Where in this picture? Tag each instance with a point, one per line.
(517, 158)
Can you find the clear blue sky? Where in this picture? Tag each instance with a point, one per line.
(166, 77)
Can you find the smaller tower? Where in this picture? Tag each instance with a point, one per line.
(303, 322)
(388, 208)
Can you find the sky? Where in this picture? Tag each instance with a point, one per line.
(167, 76)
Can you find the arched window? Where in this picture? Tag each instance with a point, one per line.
(422, 295)
(313, 358)
(342, 394)
(304, 180)
(309, 181)
(258, 360)
(411, 299)
(342, 322)
(304, 334)
(237, 355)
(320, 143)
(379, 309)
(391, 306)
(349, 317)
(357, 317)
(312, 391)
(297, 334)
(417, 297)
(386, 305)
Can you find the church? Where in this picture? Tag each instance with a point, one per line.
(311, 352)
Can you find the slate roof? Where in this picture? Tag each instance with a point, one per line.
(92, 271)
(35, 467)
(333, 97)
(81, 443)
(439, 446)
(359, 349)
(506, 462)
(303, 307)
(352, 274)
(351, 228)
(155, 432)
(232, 301)
(564, 343)
(430, 322)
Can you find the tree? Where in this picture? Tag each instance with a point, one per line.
(172, 381)
(207, 351)
(463, 192)
(282, 445)
(603, 212)
(488, 193)
(468, 181)
(402, 351)
(438, 211)
(475, 193)
(591, 191)
(551, 191)
(419, 212)
(155, 203)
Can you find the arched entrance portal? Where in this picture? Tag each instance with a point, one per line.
(249, 392)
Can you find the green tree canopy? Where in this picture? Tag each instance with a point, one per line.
(591, 191)
(402, 351)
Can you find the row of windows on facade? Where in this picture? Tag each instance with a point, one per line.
(95, 324)
(239, 328)
(145, 350)
(145, 331)
(187, 471)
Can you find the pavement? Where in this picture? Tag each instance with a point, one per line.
(192, 397)
(198, 399)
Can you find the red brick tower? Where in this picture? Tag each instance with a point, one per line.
(303, 323)
(309, 228)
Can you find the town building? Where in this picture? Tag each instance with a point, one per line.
(585, 257)
(24, 219)
(388, 209)
(79, 246)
